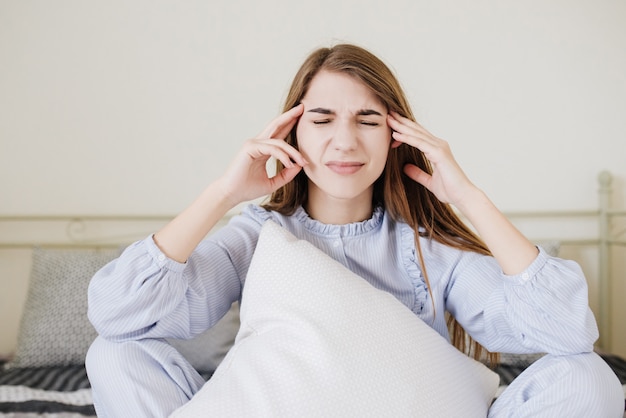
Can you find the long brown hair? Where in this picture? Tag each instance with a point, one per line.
(404, 199)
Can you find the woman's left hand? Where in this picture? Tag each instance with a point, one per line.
(448, 182)
(450, 185)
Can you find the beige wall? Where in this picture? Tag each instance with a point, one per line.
(134, 106)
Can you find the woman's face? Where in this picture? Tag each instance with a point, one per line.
(344, 136)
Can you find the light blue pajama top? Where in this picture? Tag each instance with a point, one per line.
(144, 294)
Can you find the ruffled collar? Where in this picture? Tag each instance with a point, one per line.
(351, 229)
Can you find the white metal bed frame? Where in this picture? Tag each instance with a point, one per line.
(98, 231)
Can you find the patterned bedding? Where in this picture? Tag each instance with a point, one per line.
(31, 392)
(63, 392)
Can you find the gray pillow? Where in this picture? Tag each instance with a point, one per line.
(206, 351)
(55, 330)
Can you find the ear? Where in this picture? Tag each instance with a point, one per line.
(395, 144)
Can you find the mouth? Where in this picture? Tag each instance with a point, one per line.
(344, 167)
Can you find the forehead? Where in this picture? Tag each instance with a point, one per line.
(335, 90)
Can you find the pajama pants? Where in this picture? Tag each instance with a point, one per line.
(149, 378)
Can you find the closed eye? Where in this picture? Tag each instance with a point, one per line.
(369, 123)
(321, 122)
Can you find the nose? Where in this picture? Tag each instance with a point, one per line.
(344, 137)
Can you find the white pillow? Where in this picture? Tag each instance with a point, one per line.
(316, 340)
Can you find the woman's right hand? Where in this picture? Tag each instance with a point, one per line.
(246, 178)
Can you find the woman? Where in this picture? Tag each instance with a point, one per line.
(351, 163)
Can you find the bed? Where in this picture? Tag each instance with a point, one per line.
(57, 255)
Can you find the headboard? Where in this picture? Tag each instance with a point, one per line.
(590, 237)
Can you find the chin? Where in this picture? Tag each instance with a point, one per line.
(341, 187)
(344, 192)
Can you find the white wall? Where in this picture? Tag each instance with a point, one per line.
(134, 106)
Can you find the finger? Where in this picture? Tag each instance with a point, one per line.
(280, 150)
(292, 154)
(282, 131)
(404, 120)
(417, 174)
(405, 125)
(415, 135)
(282, 125)
(413, 140)
(284, 177)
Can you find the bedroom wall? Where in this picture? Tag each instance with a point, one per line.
(133, 107)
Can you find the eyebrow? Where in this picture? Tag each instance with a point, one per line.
(362, 112)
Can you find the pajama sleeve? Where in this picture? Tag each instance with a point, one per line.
(144, 294)
(543, 309)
